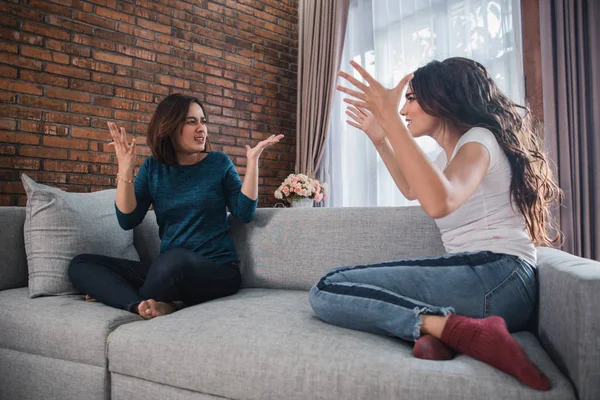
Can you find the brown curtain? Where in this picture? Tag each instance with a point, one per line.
(321, 41)
(571, 86)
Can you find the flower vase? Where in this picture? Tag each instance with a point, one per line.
(303, 203)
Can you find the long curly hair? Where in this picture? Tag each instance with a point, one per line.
(462, 93)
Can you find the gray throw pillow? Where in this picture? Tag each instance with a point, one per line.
(60, 225)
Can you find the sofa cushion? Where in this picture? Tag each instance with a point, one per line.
(63, 327)
(60, 225)
(268, 344)
(278, 252)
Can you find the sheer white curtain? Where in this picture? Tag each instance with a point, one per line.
(394, 37)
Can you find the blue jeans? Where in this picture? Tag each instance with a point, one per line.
(389, 298)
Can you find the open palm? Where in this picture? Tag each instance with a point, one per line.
(366, 122)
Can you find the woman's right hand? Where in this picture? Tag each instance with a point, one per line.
(125, 152)
(366, 122)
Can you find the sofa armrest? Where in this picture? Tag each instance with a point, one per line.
(13, 261)
(569, 317)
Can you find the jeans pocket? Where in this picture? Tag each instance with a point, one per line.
(513, 300)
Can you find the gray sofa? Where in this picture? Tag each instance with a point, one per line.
(265, 342)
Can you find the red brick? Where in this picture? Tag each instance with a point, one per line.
(85, 156)
(173, 41)
(91, 110)
(22, 12)
(137, 32)
(45, 30)
(21, 62)
(69, 143)
(67, 119)
(210, 80)
(144, 23)
(65, 166)
(134, 95)
(94, 134)
(145, 107)
(11, 187)
(8, 124)
(8, 150)
(115, 15)
(111, 79)
(208, 51)
(44, 78)
(68, 95)
(67, 71)
(48, 177)
(132, 116)
(105, 90)
(49, 8)
(46, 129)
(170, 81)
(150, 87)
(111, 102)
(43, 103)
(94, 21)
(137, 53)
(10, 137)
(42, 152)
(9, 21)
(19, 163)
(19, 112)
(114, 36)
(113, 58)
(90, 180)
(146, 44)
(93, 42)
(68, 48)
(70, 25)
(6, 200)
(9, 47)
(94, 65)
(8, 98)
(104, 169)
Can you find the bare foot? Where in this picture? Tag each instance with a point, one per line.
(150, 308)
(89, 298)
(144, 310)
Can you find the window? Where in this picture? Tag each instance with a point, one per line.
(392, 38)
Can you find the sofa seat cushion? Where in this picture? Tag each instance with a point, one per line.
(267, 344)
(65, 327)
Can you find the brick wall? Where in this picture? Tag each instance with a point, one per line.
(69, 66)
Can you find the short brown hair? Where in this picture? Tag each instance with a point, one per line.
(166, 122)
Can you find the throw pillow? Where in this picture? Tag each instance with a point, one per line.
(60, 225)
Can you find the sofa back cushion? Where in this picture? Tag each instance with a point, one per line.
(292, 248)
(60, 225)
(13, 262)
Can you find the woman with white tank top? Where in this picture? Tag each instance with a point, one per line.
(489, 192)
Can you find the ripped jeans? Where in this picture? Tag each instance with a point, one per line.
(389, 298)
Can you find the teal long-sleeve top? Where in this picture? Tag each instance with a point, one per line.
(190, 204)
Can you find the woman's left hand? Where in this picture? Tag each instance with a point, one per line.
(255, 152)
(381, 102)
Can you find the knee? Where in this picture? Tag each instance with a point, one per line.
(77, 266)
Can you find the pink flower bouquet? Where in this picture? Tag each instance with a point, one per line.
(298, 186)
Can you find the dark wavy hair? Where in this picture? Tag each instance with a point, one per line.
(462, 94)
(166, 123)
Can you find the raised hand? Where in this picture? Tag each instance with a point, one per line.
(381, 102)
(125, 152)
(255, 152)
(366, 122)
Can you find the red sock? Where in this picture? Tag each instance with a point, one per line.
(429, 347)
(489, 341)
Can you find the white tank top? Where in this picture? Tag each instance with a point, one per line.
(489, 220)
